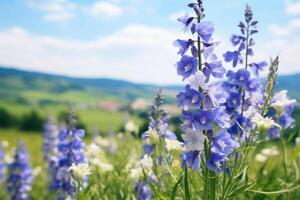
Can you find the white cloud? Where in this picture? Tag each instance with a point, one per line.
(104, 9)
(136, 52)
(54, 10)
(288, 51)
(285, 30)
(175, 16)
(292, 7)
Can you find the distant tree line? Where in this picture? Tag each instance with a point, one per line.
(31, 121)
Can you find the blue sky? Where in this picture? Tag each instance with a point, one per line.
(132, 39)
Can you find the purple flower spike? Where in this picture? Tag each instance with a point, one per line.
(20, 177)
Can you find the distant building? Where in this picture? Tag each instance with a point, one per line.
(140, 104)
(108, 105)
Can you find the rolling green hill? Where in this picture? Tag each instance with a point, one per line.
(33, 87)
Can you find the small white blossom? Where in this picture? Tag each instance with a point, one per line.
(281, 101)
(153, 135)
(136, 173)
(130, 126)
(143, 165)
(194, 140)
(173, 145)
(263, 123)
(102, 166)
(4, 144)
(80, 170)
(270, 151)
(261, 158)
(198, 80)
(36, 171)
(147, 164)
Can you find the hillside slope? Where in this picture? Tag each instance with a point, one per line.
(24, 86)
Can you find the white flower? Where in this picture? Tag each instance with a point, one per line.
(198, 80)
(145, 164)
(270, 151)
(102, 166)
(130, 126)
(265, 153)
(80, 170)
(153, 135)
(281, 101)
(173, 145)
(8, 158)
(263, 123)
(103, 142)
(261, 158)
(194, 140)
(4, 144)
(136, 173)
(217, 94)
(36, 171)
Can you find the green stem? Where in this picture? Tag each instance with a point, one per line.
(212, 185)
(276, 192)
(246, 66)
(283, 151)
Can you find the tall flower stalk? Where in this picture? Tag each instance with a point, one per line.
(20, 177)
(204, 119)
(2, 164)
(70, 153)
(158, 141)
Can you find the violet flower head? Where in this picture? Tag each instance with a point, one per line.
(223, 144)
(2, 163)
(203, 119)
(191, 159)
(205, 30)
(216, 162)
(183, 45)
(189, 98)
(70, 147)
(187, 66)
(20, 177)
(143, 191)
(50, 139)
(201, 102)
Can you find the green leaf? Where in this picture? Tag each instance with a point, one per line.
(175, 188)
(291, 136)
(159, 194)
(186, 184)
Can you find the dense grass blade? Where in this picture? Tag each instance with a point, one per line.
(186, 184)
(175, 188)
(158, 193)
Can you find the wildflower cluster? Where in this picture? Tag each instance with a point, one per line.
(20, 178)
(203, 114)
(159, 141)
(2, 163)
(243, 86)
(69, 161)
(70, 147)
